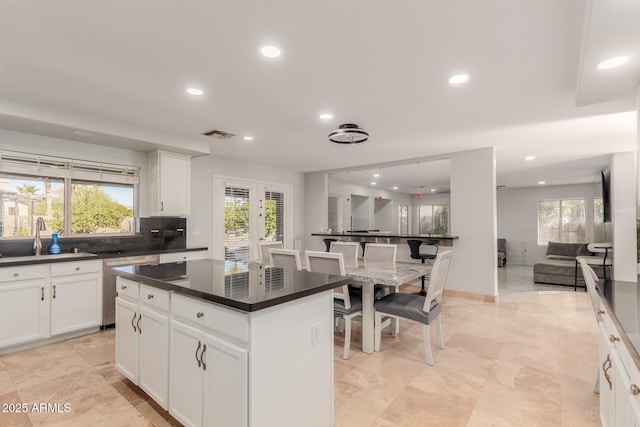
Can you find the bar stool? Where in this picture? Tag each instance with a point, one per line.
(327, 243)
(414, 247)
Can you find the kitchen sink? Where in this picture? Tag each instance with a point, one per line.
(44, 257)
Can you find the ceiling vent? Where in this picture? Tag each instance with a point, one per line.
(348, 134)
(218, 134)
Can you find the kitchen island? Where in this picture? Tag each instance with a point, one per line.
(229, 343)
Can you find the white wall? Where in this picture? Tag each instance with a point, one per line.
(316, 209)
(473, 218)
(46, 146)
(623, 211)
(345, 190)
(200, 222)
(518, 218)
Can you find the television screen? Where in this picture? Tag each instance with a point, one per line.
(606, 194)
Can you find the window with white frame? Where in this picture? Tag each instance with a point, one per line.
(73, 197)
(561, 220)
(433, 219)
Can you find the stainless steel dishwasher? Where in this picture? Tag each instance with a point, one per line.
(109, 283)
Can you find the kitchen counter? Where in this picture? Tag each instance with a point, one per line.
(240, 285)
(623, 300)
(9, 261)
(383, 237)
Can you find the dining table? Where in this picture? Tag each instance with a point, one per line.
(391, 274)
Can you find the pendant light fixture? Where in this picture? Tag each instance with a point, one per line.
(348, 133)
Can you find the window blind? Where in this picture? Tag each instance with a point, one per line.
(237, 224)
(274, 215)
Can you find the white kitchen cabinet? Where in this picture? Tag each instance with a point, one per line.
(170, 184)
(182, 256)
(209, 379)
(76, 296)
(24, 304)
(127, 348)
(142, 337)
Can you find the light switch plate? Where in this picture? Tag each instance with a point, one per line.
(315, 334)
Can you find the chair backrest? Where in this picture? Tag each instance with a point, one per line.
(265, 247)
(600, 247)
(380, 252)
(414, 247)
(330, 263)
(590, 279)
(285, 258)
(439, 273)
(349, 251)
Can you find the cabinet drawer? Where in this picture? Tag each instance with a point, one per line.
(156, 297)
(128, 288)
(23, 272)
(76, 267)
(182, 256)
(211, 316)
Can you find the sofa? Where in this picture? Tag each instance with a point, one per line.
(559, 266)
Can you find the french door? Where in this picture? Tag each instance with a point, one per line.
(249, 212)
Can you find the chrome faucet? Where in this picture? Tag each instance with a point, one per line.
(37, 243)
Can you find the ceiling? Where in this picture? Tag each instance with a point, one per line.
(120, 69)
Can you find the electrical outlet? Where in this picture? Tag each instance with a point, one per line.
(315, 334)
(196, 232)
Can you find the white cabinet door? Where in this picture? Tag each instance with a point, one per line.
(24, 312)
(127, 351)
(154, 355)
(76, 303)
(226, 391)
(170, 175)
(186, 373)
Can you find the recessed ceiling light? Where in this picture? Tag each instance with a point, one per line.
(458, 79)
(530, 158)
(247, 138)
(542, 182)
(395, 187)
(82, 132)
(326, 116)
(433, 190)
(195, 91)
(373, 183)
(270, 51)
(616, 61)
(376, 175)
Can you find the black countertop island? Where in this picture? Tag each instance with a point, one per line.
(245, 286)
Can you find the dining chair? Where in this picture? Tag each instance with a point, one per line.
(590, 279)
(346, 305)
(417, 308)
(285, 258)
(265, 247)
(381, 255)
(349, 251)
(414, 247)
(605, 261)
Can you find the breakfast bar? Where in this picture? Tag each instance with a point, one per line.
(229, 343)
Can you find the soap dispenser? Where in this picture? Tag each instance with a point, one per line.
(54, 247)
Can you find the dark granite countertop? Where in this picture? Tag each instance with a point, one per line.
(389, 235)
(240, 285)
(623, 300)
(9, 261)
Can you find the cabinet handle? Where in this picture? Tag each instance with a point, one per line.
(133, 320)
(605, 369)
(77, 268)
(150, 296)
(42, 295)
(601, 312)
(138, 324)
(635, 390)
(198, 349)
(199, 314)
(54, 291)
(161, 206)
(16, 274)
(204, 365)
(613, 338)
(123, 287)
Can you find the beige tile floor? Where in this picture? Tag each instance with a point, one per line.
(530, 360)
